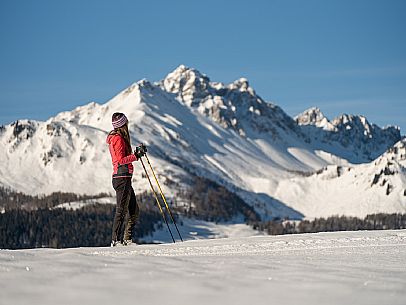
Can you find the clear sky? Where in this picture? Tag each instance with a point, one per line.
(344, 56)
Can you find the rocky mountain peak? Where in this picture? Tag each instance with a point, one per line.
(358, 122)
(241, 84)
(189, 84)
(353, 132)
(235, 105)
(359, 127)
(314, 116)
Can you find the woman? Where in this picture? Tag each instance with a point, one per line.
(122, 158)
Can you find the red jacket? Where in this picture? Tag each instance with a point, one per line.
(122, 166)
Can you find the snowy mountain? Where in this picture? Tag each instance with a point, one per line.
(379, 186)
(235, 106)
(226, 133)
(362, 141)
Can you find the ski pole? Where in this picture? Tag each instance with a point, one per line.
(156, 198)
(163, 197)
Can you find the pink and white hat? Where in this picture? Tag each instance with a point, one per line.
(119, 121)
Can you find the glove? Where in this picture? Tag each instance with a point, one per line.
(140, 151)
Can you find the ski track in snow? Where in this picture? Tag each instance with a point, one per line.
(364, 267)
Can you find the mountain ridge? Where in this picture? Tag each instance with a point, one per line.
(226, 133)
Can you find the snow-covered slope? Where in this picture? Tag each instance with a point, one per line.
(193, 126)
(40, 157)
(376, 187)
(324, 268)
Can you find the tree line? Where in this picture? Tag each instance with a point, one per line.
(10, 200)
(89, 226)
(33, 221)
(379, 221)
(210, 201)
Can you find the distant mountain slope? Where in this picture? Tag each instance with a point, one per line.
(194, 127)
(379, 186)
(360, 141)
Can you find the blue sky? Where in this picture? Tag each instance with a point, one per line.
(342, 56)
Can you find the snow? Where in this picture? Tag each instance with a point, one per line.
(325, 268)
(350, 190)
(191, 229)
(74, 205)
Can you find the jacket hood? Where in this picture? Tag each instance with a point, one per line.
(110, 137)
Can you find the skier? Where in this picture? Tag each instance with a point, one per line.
(122, 158)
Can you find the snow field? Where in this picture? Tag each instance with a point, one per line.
(364, 267)
(191, 229)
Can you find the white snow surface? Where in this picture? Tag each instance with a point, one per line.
(74, 205)
(364, 267)
(191, 229)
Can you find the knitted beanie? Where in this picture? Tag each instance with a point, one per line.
(119, 120)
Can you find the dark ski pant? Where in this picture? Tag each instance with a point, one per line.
(126, 203)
